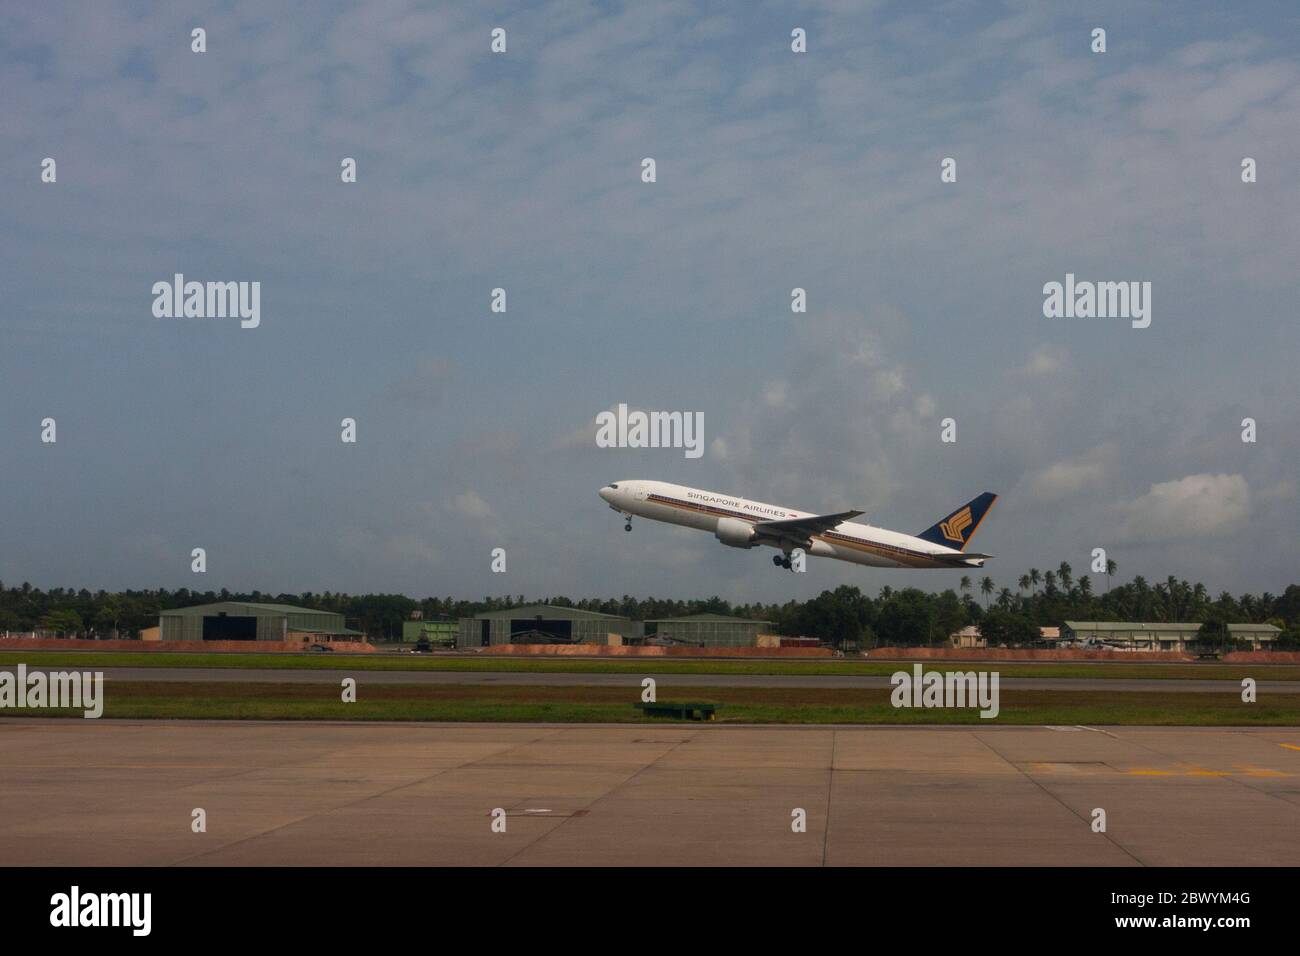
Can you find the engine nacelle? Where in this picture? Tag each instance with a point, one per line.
(735, 533)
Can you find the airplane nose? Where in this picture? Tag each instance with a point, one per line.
(607, 492)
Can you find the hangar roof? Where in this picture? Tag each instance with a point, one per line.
(547, 611)
(705, 619)
(254, 610)
(1130, 626)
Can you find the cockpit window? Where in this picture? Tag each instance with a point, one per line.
(614, 485)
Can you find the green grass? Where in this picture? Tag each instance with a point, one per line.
(386, 662)
(759, 705)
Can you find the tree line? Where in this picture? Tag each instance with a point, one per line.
(895, 617)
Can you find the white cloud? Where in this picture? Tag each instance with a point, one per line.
(1073, 475)
(582, 438)
(1197, 506)
(1046, 360)
(470, 505)
(412, 548)
(829, 432)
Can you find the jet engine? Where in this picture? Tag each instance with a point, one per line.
(735, 533)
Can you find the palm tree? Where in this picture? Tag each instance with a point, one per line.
(1034, 577)
(1200, 598)
(1174, 590)
(986, 588)
(1110, 569)
(1164, 601)
(1065, 573)
(1024, 582)
(1142, 595)
(965, 583)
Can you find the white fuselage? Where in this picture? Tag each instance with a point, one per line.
(848, 541)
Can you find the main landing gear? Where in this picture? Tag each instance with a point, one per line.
(782, 562)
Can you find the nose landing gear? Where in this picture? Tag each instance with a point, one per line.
(627, 523)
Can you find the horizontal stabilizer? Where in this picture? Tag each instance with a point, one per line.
(962, 560)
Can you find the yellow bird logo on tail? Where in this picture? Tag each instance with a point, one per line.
(952, 528)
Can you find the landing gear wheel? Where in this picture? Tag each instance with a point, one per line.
(785, 563)
(776, 559)
(628, 526)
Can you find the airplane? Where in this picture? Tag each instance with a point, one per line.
(739, 523)
(1091, 643)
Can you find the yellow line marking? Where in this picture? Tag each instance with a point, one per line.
(1289, 746)
(1239, 772)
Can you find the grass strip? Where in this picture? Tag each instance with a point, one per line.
(759, 705)
(90, 660)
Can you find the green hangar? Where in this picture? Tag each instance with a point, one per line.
(239, 621)
(710, 630)
(546, 624)
(435, 632)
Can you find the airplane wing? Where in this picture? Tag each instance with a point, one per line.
(803, 527)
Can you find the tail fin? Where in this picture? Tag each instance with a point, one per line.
(956, 529)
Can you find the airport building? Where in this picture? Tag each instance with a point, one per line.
(709, 630)
(239, 621)
(970, 636)
(1260, 637)
(1134, 636)
(546, 624)
(437, 632)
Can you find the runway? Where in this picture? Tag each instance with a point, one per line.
(633, 680)
(80, 792)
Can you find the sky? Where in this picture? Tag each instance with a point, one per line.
(522, 170)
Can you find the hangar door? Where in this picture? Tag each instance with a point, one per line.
(223, 627)
(541, 631)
